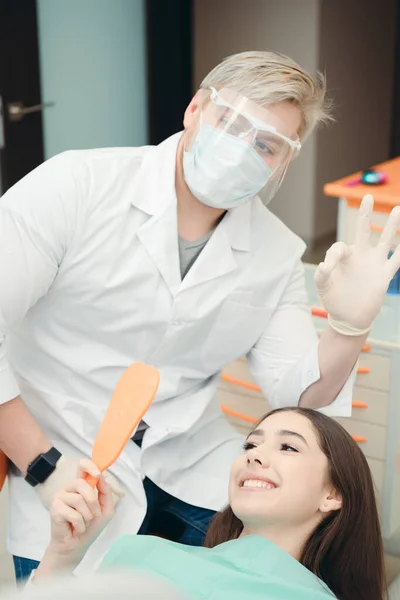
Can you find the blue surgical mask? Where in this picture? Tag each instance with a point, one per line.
(222, 170)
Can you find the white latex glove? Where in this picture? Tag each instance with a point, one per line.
(353, 280)
(64, 475)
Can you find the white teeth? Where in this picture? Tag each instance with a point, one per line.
(256, 483)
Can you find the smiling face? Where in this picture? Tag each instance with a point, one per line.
(282, 476)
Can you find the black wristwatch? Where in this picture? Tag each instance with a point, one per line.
(42, 467)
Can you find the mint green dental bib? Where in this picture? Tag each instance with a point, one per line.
(250, 568)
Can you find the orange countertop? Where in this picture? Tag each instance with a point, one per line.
(386, 195)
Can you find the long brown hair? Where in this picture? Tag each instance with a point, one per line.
(345, 550)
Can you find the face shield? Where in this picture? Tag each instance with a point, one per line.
(239, 151)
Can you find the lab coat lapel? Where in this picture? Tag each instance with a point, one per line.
(159, 235)
(220, 255)
(154, 194)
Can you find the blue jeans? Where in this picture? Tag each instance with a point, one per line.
(173, 519)
(23, 567)
(166, 517)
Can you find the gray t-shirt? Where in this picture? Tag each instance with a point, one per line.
(189, 251)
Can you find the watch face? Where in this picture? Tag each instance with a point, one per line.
(41, 468)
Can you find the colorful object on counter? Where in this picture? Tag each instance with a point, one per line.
(386, 196)
(369, 177)
(394, 285)
(132, 396)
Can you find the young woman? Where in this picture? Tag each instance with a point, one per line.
(302, 522)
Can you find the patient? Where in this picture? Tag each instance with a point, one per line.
(302, 522)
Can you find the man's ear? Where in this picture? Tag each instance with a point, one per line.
(193, 108)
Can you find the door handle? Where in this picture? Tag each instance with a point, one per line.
(17, 110)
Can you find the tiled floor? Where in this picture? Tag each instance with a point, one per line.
(6, 568)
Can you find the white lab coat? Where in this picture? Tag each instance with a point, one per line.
(90, 282)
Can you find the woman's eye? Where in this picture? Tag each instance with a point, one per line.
(248, 446)
(288, 448)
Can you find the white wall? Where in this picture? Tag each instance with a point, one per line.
(93, 66)
(223, 27)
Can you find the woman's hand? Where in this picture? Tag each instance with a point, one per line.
(353, 280)
(78, 516)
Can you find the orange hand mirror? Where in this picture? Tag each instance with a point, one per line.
(132, 396)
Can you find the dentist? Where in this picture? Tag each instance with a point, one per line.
(169, 255)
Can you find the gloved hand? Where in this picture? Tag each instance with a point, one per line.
(66, 473)
(353, 280)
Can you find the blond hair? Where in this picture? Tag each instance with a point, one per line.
(268, 77)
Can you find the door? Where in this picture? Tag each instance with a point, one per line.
(169, 73)
(21, 138)
(92, 56)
